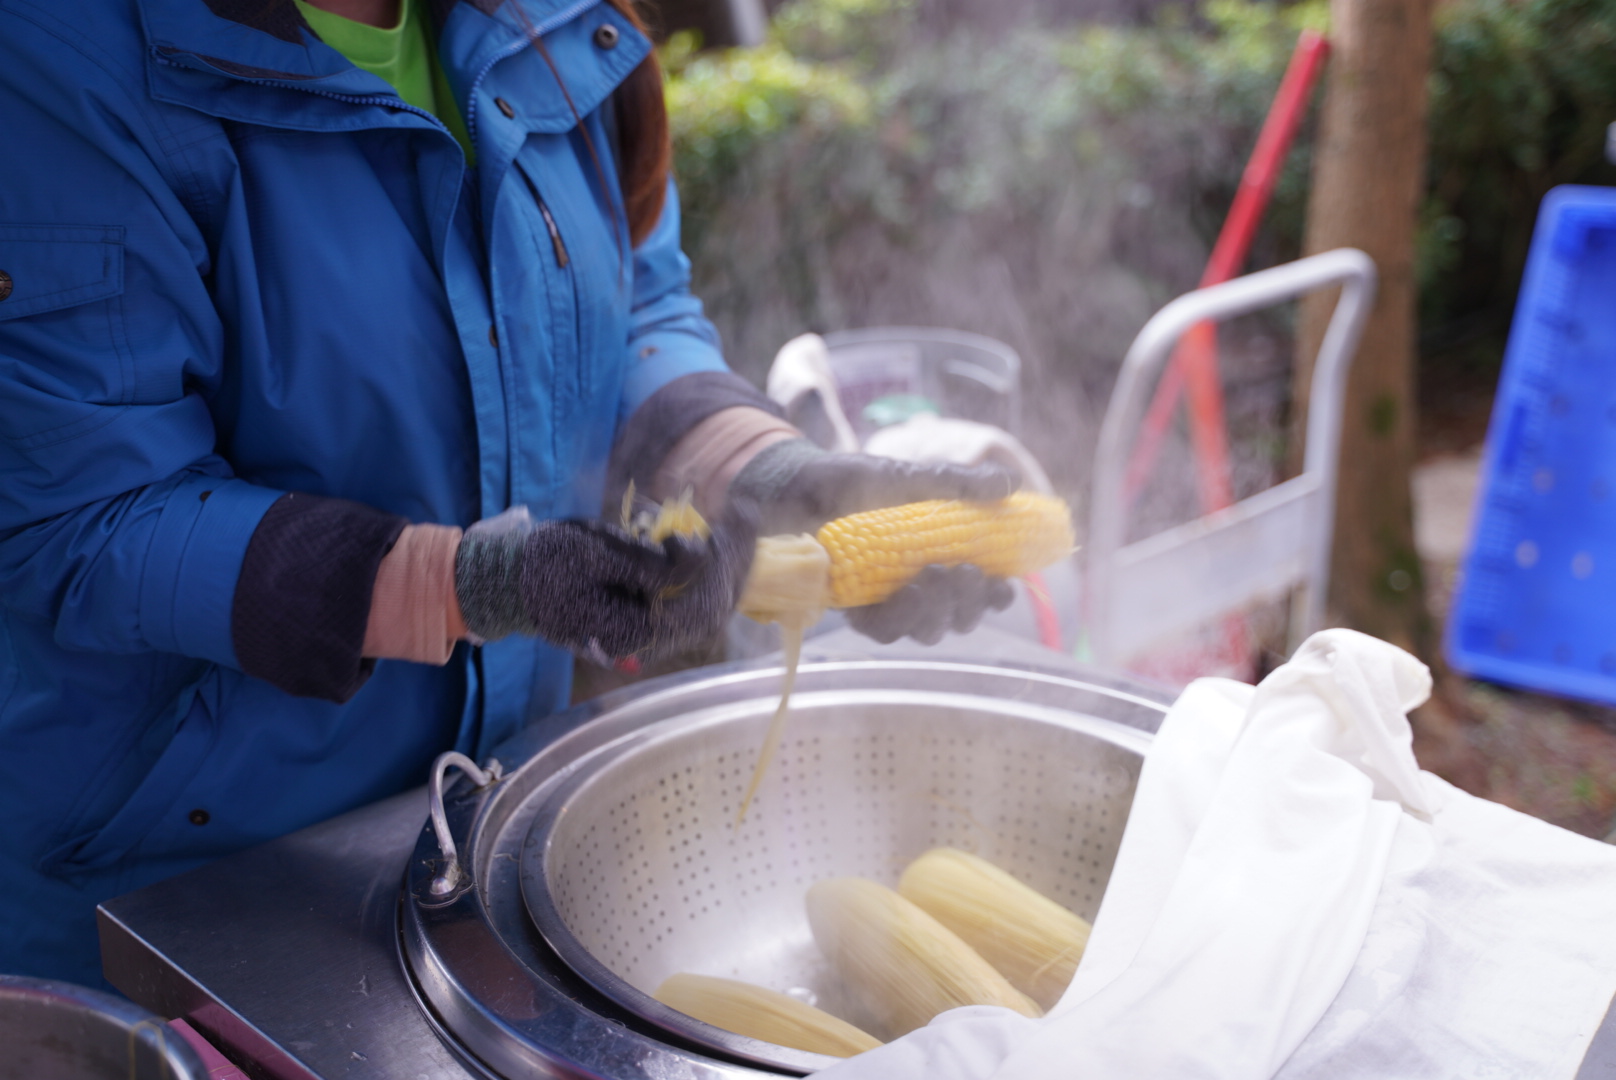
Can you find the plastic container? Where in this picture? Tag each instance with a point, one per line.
(961, 375)
(1537, 599)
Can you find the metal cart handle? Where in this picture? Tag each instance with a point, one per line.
(1192, 571)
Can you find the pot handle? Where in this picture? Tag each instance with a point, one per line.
(446, 882)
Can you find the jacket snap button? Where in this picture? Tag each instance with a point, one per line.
(493, 335)
(199, 817)
(5, 284)
(606, 36)
(505, 107)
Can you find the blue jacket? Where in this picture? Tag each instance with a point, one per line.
(239, 267)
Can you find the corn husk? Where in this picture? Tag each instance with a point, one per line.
(1033, 941)
(789, 581)
(903, 966)
(789, 584)
(760, 1013)
(676, 517)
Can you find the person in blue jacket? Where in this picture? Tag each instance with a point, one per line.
(290, 295)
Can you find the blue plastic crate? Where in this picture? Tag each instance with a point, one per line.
(1537, 601)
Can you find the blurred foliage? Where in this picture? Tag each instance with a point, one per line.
(1521, 94)
(722, 108)
(867, 32)
(980, 118)
(1053, 186)
(1049, 187)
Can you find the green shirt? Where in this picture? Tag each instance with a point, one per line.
(404, 55)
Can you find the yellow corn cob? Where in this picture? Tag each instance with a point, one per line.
(904, 966)
(876, 553)
(763, 1014)
(1030, 939)
(865, 558)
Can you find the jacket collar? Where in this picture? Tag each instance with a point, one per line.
(248, 39)
(269, 39)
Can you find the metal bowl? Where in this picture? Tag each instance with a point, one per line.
(508, 1002)
(59, 1031)
(635, 868)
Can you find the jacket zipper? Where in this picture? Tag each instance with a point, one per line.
(555, 237)
(560, 246)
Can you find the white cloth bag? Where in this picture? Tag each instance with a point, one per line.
(1294, 898)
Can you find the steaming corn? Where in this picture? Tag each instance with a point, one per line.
(763, 1014)
(864, 558)
(904, 966)
(876, 553)
(872, 555)
(1031, 940)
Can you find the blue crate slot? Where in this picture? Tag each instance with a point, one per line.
(1537, 600)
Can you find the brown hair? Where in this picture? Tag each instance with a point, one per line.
(643, 149)
(645, 153)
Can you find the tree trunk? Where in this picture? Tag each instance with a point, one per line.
(1368, 176)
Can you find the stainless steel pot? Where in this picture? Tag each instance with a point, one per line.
(1034, 769)
(59, 1031)
(636, 868)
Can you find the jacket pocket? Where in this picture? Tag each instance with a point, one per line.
(47, 267)
(199, 706)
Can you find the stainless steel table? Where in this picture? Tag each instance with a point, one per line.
(286, 955)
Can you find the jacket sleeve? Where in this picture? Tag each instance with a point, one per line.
(676, 371)
(121, 526)
(669, 337)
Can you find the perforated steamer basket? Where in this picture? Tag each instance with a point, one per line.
(635, 868)
(1030, 763)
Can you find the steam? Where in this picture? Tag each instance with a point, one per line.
(1047, 186)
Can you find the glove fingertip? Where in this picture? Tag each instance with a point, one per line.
(930, 632)
(989, 483)
(970, 576)
(868, 621)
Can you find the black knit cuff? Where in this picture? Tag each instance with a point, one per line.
(303, 597)
(666, 416)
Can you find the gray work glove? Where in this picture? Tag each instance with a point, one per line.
(939, 599)
(590, 587)
(797, 487)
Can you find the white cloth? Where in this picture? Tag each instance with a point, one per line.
(927, 437)
(1294, 898)
(802, 367)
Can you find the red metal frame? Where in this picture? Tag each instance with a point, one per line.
(1194, 366)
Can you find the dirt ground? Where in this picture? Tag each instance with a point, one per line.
(1548, 756)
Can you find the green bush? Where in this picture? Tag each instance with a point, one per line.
(1051, 187)
(1521, 94)
(1047, 188)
